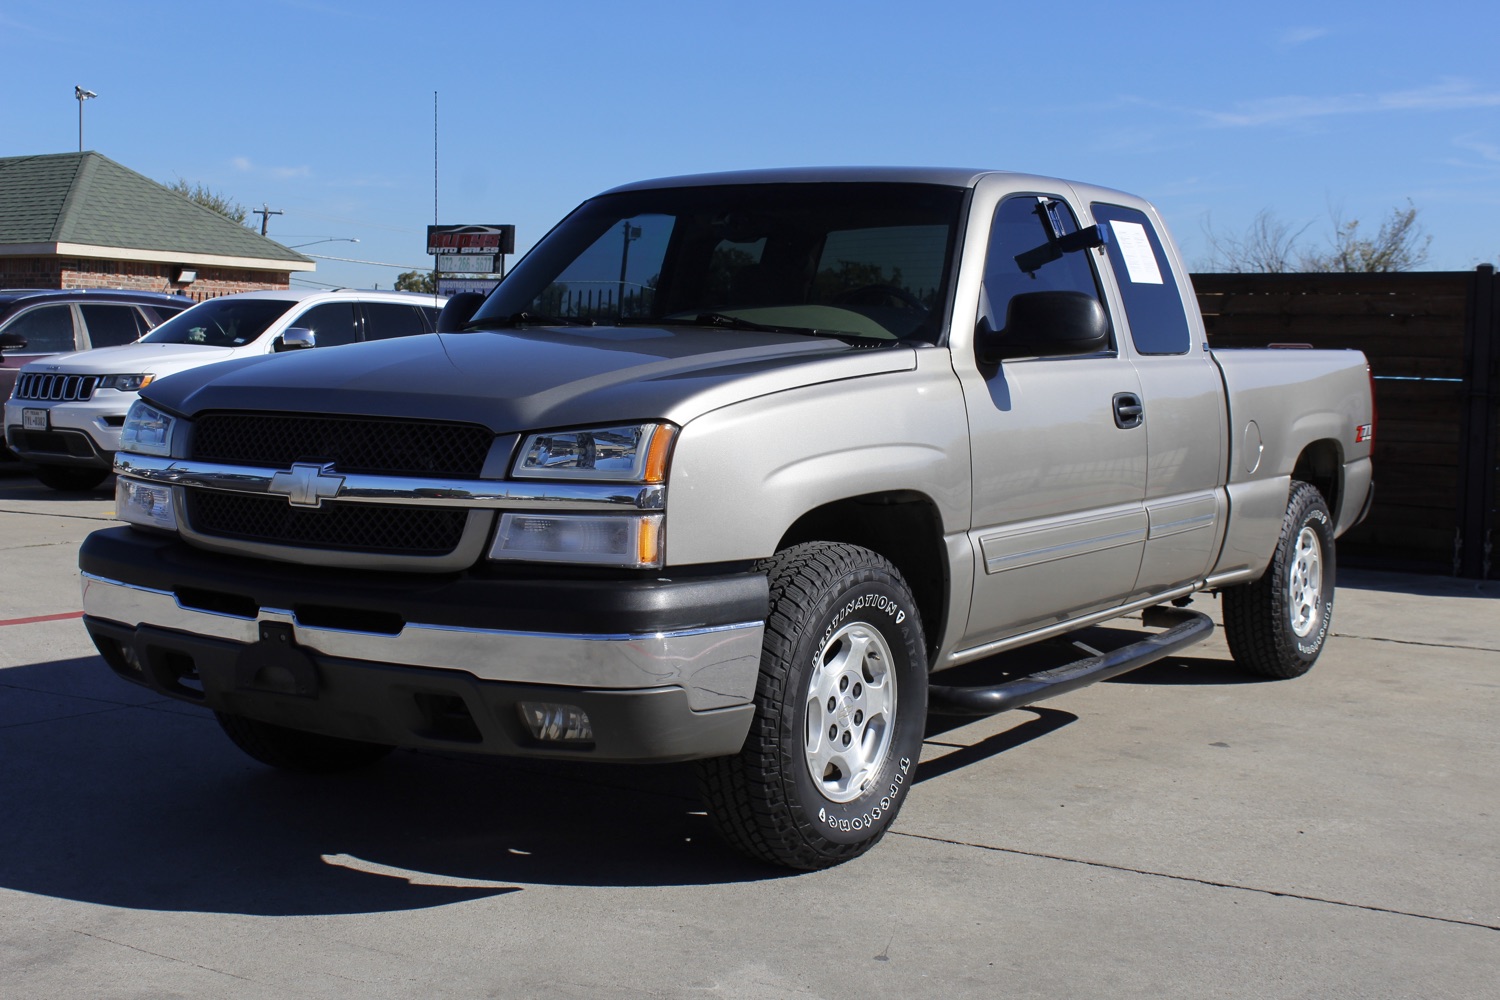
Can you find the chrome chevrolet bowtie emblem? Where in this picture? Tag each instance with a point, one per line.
(307, 485)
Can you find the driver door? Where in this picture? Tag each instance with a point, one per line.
(1059, 469)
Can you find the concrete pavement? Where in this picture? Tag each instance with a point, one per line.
(1185, 831)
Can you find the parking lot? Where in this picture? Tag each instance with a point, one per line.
(1184, 831)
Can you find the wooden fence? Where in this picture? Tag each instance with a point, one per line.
(1433, 340)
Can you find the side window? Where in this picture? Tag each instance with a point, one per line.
(112, 325)
(384, 320)
(1153, 302)
(332, 323)
(47, 329)
(1023, 225)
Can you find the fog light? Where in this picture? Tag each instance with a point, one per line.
(556, 723)
(145, 503)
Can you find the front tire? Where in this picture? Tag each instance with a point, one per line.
(840, 707)
(295, 750)
(1276, 626)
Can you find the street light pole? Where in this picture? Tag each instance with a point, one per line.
(82, 95)
(331, 239)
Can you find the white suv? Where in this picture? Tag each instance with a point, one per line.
(65, 413)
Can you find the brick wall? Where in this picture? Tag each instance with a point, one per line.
(139, 276)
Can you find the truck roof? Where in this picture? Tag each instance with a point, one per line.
(962, 177)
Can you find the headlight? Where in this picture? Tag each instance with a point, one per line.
(635, 453)
(147, 430)
(126, 383)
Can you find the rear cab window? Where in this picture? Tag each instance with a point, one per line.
(1153, 302)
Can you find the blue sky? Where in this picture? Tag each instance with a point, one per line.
(324, 108)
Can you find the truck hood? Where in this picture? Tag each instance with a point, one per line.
(130, 359)
(516, 380)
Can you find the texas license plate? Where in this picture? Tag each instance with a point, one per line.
(34, 420)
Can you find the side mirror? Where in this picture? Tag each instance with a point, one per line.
(296, 338)
(1044, 324)
(458, 311)
(12, 342)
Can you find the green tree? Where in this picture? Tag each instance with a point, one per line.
(211, 200)
(1400, 245)
(416, 281)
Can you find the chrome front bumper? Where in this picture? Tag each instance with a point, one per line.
(715, 666)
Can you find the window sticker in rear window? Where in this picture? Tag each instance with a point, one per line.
(1135, 247)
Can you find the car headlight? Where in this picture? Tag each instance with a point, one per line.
(632, 453)
(126, 383)
(147, 430)
(627, 453)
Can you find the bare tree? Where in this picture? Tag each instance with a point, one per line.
(1271, 246)
(1266, 247)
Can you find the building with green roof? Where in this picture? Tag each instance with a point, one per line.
(81, 220)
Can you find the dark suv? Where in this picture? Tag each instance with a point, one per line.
(37, 322)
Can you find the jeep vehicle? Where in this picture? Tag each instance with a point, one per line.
(65, 412)
(733, 468)
(37, 322)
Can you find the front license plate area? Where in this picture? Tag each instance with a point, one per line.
(276, 664)
(34, 419)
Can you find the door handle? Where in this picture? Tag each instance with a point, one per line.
(1129, 411)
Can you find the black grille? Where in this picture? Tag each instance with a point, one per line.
(412, 531)
(353, 444)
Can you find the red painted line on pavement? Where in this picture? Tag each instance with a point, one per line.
(43, 618)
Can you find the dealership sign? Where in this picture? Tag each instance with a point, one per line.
(466, 264)
(452, 286)
(444, 240)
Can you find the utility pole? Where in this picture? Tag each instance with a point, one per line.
(82, 95)
(265, 212)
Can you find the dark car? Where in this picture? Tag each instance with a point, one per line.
(37, 322)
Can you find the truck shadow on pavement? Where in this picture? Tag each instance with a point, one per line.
(1003, 667)
(115, 796)
(119, 798)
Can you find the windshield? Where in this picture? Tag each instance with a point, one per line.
(855, 259)
(223, 322)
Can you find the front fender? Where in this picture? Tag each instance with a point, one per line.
(742, 474)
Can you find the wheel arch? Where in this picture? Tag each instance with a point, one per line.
(904, 526)
(1320, 464)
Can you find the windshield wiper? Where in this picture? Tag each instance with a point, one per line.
(729, 322)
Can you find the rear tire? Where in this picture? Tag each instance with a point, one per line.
(70, 478)
(840, 709)
(1276, 626)
(295, 750)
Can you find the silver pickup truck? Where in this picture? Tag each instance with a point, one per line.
(730, 468)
